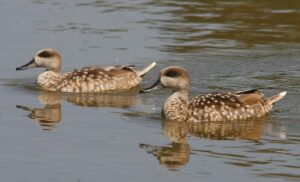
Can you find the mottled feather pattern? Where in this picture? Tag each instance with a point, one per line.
(176, 108)
(48, 79)
(97, 79)
(220, 107)
(216, 101)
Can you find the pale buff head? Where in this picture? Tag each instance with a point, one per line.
(45, 58)
(173, 77)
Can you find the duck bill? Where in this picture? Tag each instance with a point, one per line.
(30, 64)
(156, 86)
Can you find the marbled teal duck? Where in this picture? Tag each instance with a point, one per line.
(209, 107)
(83, 80)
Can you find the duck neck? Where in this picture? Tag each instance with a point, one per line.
(176, 106)
(49, 80)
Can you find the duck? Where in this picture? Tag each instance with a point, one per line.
(227, 106)
(83, 80)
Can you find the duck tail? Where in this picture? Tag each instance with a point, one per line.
(275, 98)
(142, 72)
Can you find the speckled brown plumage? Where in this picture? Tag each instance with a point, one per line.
(83, 80)
(227, 106)
(209, 107)
(96, 80)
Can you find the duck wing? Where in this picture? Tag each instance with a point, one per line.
(237, 105)
(99, 79)
(230, 99)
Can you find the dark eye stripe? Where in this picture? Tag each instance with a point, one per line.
(172, 74)
(45, 54)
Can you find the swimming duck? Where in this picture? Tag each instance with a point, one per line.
(239, 105)
(83, 80)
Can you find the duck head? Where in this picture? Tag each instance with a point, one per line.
(173, 77)
(45, 58)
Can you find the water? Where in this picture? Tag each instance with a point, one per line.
(225, 45)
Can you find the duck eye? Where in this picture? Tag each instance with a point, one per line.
(45, 54)
(172, 74)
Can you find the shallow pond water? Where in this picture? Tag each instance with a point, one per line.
(225, 45)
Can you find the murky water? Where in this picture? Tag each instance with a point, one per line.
(226, 45)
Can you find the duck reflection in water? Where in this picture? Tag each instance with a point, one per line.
(177, 154)
(51, 113)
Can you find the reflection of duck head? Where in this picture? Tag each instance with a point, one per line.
(172, 156)
(51, 113)
(177, 153)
